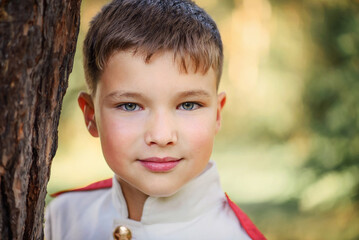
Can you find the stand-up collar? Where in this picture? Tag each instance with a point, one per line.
(193, 199)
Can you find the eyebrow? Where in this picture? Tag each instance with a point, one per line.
(194, 93)
(119, 94)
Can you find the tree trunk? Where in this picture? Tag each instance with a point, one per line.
(37, 46)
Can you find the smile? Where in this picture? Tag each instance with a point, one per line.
(155, 164)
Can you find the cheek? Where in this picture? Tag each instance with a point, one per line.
(118, 136)
(200, 135)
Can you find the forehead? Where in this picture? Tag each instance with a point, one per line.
(185, 62)
(126, 69)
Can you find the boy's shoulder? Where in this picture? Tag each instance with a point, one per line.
(70, 214)
(73, 200)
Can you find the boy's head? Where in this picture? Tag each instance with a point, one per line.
(149, 27)
(153, 69)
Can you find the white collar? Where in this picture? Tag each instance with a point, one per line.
(193, 199)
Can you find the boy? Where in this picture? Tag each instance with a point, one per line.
(153, 69)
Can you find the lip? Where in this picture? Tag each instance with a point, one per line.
(156, 164)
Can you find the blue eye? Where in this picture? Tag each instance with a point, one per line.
(188, 106)
(129, 107)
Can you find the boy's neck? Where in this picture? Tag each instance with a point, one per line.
(135, 200)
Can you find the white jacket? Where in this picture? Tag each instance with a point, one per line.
(199, 210)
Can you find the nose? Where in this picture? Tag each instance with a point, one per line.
(161, 130)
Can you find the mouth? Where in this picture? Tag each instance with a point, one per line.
(156, 164)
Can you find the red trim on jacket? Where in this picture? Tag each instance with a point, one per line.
(245, 221)
(107, 183)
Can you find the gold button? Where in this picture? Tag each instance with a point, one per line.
(122, 233)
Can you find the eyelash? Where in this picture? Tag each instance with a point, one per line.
(195, 106)
(137, 107)
(123, 107)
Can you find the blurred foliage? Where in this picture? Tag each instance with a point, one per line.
(288, 150)
(331, 96)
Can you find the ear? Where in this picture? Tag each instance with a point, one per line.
(221, 100)
(87, 107)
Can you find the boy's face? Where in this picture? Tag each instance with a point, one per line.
(156, 124)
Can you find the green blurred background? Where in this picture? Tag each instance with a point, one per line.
(288, 150)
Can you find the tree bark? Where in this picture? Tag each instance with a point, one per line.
(37, 45)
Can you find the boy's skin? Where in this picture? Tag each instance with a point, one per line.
(143, 110)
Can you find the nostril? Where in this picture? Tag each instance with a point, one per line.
(161, 140)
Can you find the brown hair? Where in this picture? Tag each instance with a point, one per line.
(151, 26)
